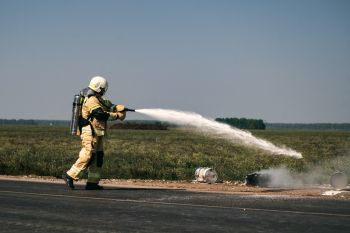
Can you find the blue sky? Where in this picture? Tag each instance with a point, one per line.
(281, 61)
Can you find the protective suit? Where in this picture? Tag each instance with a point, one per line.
(95, 113)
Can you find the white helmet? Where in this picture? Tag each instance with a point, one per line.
(99, 84)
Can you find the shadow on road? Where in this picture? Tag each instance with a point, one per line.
(126, 189)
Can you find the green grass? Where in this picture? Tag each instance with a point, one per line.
(166, 154)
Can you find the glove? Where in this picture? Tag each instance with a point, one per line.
(117, 115)
(119, 108)
(118, 112)
(121, 115)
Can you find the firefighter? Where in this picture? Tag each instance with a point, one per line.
(94, 114)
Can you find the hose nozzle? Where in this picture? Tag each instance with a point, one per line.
(129, 110)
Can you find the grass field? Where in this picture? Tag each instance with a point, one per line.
(168, 154)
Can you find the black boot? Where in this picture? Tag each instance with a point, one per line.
(69, 180)
(93, 186)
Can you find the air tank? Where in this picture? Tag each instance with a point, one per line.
(74, 124)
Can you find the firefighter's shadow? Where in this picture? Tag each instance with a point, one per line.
(276, 190)
(139, 189)
(111, 189)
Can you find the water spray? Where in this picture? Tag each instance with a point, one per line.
(218, 129)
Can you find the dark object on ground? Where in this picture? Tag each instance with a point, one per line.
(257, 179)
(93, 186)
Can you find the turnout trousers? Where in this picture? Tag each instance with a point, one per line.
(90, 156)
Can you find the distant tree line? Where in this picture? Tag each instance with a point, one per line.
(243, 123)
(124, 124)
(17, 122)
(32, 122)
(314, 126)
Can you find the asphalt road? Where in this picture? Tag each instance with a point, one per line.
(50, 207)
